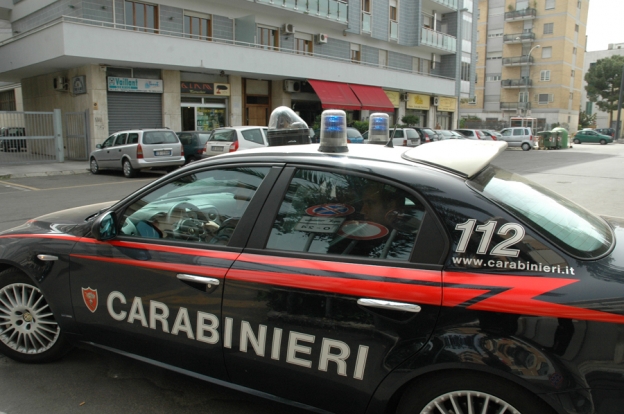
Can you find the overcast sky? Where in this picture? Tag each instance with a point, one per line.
(605, 24)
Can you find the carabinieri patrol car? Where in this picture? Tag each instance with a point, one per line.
(342, 278)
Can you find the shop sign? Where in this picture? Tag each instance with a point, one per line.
(201, 88)
(394, 96)
(135, 85)
(447, 104)
(417, 101)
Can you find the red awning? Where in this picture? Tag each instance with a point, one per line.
(373, 98)
(335, 95)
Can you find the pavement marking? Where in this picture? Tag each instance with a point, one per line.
(92, 185)
(19, 187)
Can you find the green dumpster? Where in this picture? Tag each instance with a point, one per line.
(546, 140)
(562, 137)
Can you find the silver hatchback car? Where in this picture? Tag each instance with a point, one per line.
(138, 149)
(236, 138)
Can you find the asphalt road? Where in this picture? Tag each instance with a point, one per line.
(87, 382)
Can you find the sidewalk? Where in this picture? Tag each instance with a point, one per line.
(8, 171)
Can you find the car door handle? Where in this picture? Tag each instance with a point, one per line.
(386, 304)
(47, 257)
(208, 281)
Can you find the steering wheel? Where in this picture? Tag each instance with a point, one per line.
(225, 231)
(183, 210)
(187, 221)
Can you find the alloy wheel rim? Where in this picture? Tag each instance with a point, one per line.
(94, 166)
(465, 401)
(126, 168)
(27, 324)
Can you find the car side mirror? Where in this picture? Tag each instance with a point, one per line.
(98, 146)
(104, 227)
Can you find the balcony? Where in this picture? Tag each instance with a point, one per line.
(526, 14)
(513, 106)
(327, 9)
(518, 61)
(519, 37)
(516, 83)
(451, 4)
(438, 40)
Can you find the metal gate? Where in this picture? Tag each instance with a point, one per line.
(76, 139)
(28, 137)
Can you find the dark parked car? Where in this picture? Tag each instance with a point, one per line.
(606, 131)
(427, 135)
(337, 277)
(10, 143)
(194, 143)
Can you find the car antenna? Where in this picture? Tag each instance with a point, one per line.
(390, 144)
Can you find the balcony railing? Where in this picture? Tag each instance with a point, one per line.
(511, 106)
(516, 83)
(438, 40)
(525, 14)
(518, 60)
(519, 37)
(329, 9)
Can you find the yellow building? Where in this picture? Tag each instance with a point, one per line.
(529, 61)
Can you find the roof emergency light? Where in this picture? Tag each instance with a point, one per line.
(287, 128)
(378, 129)
(333, 131)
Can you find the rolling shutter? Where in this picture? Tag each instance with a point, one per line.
(127, 110)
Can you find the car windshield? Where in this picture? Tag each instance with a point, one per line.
(569, 226)
(159, 137)
(223, 135)
(353, 133)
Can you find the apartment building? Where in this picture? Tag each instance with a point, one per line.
(529, 61)
(197, 65)
(602, 117)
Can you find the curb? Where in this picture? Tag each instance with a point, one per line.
(43, 174)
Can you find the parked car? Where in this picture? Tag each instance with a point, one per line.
(519, 137)
(138, 149)
(494, 134)
(606, 131)
(474, 134)
(584, 136)
(427, 135)
(232, 139)
(194, 143)
(405, 137)
(376, 280)
(13, 144)
(449, 134)
(354, 136)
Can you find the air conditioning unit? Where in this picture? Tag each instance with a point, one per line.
(288, 28)
(320, 38)
(404, 97)
(60, 84)
(436, 101)
(292, 86)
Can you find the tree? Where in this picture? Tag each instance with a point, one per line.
(586, 121)
(603, 83)
(410, 120)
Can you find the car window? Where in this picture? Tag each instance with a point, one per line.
(397, 134)
(571, 227)
(133, 138)
(411, 133)
(203, 138)
(109, 142)
(253, 135)
(467, 132)
(186, 139)
(332, 213)
(204, 207)
(121, 139)
(159, 137)
(223, 135)
(518, 132)
(353, 133)
(506, 132)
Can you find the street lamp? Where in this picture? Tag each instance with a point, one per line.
(526, 83)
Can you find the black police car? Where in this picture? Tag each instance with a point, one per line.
(344, 278)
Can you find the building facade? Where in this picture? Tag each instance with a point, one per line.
(602, 117)
(529, 62)
(197, 65)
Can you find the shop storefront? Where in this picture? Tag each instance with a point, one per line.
(395, 99)
(445, 110)
(204, 105)
(418, 105)
(134, 103)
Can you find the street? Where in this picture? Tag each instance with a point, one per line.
(92, 382)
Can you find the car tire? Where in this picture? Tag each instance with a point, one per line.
(526, 147)
(93, 166)
(128, 169)
(603, 142)
(576, 141)
(469, 390)
(39, 337)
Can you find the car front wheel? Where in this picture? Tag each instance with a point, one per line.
(469, 393)
(128, 170)
(94, 167)
(28, 330)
